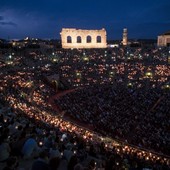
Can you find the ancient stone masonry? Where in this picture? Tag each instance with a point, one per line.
(78, 38)
(164, 39)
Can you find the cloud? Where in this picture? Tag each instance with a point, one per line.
(8, 23)
(1, 18)
(3, 22)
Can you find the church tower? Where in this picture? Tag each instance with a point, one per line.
(125, 33)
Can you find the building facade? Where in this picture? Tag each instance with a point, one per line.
(78, 38)
(164, 39)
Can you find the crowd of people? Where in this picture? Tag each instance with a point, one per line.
(31, 129)
(88, 67)
(132, 115)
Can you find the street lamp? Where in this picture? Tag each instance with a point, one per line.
(166, 87)
(54, 58)
(85, 58)
(130, 85)
(105, 54)
(10, 56)
(111, 74)
(78, 75)
(9, 60)
(149, 74)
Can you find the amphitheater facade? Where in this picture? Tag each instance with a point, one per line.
(79, 38)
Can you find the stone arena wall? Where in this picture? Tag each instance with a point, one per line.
(78, 38)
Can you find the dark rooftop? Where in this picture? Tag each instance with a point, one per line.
(167, 33)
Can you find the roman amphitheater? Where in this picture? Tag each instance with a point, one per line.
(78, 38)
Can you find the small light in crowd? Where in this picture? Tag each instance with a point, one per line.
(117, 163)
(40, 143)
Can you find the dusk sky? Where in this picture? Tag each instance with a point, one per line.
(46, 18)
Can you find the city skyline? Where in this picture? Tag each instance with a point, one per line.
(45, 19)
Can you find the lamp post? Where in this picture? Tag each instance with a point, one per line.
(129, 85)
(85, 59)
(54, 58)
(166, 87)
(9, 59)
(78, 77)
(112, 77)
(148, 76)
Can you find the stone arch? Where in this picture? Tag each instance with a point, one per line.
(88, 39)
(79, 39)
(69, 39)
(98, 39)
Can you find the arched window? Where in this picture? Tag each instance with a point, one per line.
(88, 40)
(69, 39)
(78, 39)
(98, 39)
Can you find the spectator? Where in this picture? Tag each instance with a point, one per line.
(30, 148)
(54, 163)
(4, 149)
(72, 162)
(11, 164)
(42, 162)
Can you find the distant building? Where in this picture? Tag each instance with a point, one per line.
(164, 39)
(125, 38)
(32, 43)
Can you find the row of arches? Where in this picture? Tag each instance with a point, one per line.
(88, 39)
